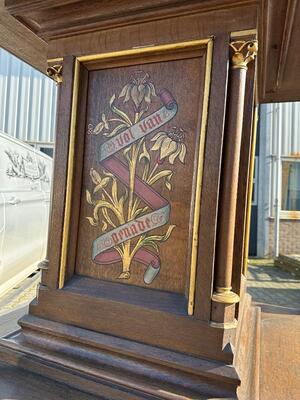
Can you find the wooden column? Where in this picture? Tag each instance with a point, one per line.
(243, 53)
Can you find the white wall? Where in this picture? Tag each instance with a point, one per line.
(278, 120)
(27, 101)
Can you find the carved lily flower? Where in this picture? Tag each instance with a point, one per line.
(102, 124)
(98, 181)
(139, 89)
(170, 144)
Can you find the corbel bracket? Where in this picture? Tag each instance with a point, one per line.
(55, 73)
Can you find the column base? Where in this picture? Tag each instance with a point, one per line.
(225, 295)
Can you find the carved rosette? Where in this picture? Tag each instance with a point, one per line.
(55, 72)
(243, 53)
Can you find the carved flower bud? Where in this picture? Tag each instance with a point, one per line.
(96, 178)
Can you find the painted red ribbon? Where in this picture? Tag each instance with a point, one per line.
(149, 196)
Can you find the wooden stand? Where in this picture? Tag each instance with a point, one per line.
(146, 303)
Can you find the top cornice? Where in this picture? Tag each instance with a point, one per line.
(52, 19)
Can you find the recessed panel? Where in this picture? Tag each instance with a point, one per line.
(140, 167)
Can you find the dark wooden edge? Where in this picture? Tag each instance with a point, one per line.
(21, 41)
(243, 186)
(211, 177)
(50, 277)
(247, 353)
(77, 172)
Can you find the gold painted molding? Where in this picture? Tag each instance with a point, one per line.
(192, 287)
(190, 45)
(69, 186)
(239, 34)
(55, 60)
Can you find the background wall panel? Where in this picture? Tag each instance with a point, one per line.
(27, 101)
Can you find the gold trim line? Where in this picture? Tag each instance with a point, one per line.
(55, 60)
(144, 50)
(69, 187)
(191, 299)
(238, 34)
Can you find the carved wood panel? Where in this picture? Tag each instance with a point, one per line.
(140, 167)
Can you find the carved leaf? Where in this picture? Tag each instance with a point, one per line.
(112, 99)
(107, 217)
(121, 114)
(182, 153)
(115, 130)
(159, 238)
(168, 185)
(104, 226)
(153, 245)
(91, 221)
(108, 174)
(96, 178)
(168, 181)
(98, 128)
(159, 175)
(140, 211)
(101, 185)
(114, 191)
(144, 154)
(168, 147)
(88, 197)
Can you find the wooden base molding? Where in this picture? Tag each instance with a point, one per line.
(100, 364)
(96, 363)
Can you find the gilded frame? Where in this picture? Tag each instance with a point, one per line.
(143, 51)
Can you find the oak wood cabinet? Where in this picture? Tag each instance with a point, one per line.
(143, 293)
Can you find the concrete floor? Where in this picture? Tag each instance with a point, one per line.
(280, 354)
(14, 304)
(270, 285)
(278, 294)
(17, 384)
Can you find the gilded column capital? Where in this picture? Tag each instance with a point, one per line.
(55, 73)
(243, 53)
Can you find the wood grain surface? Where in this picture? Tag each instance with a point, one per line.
(20, 41)
(175, 253)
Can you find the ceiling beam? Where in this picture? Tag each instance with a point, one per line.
(20, 41)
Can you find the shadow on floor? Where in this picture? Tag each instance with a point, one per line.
(271, 285)
(281, 297)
